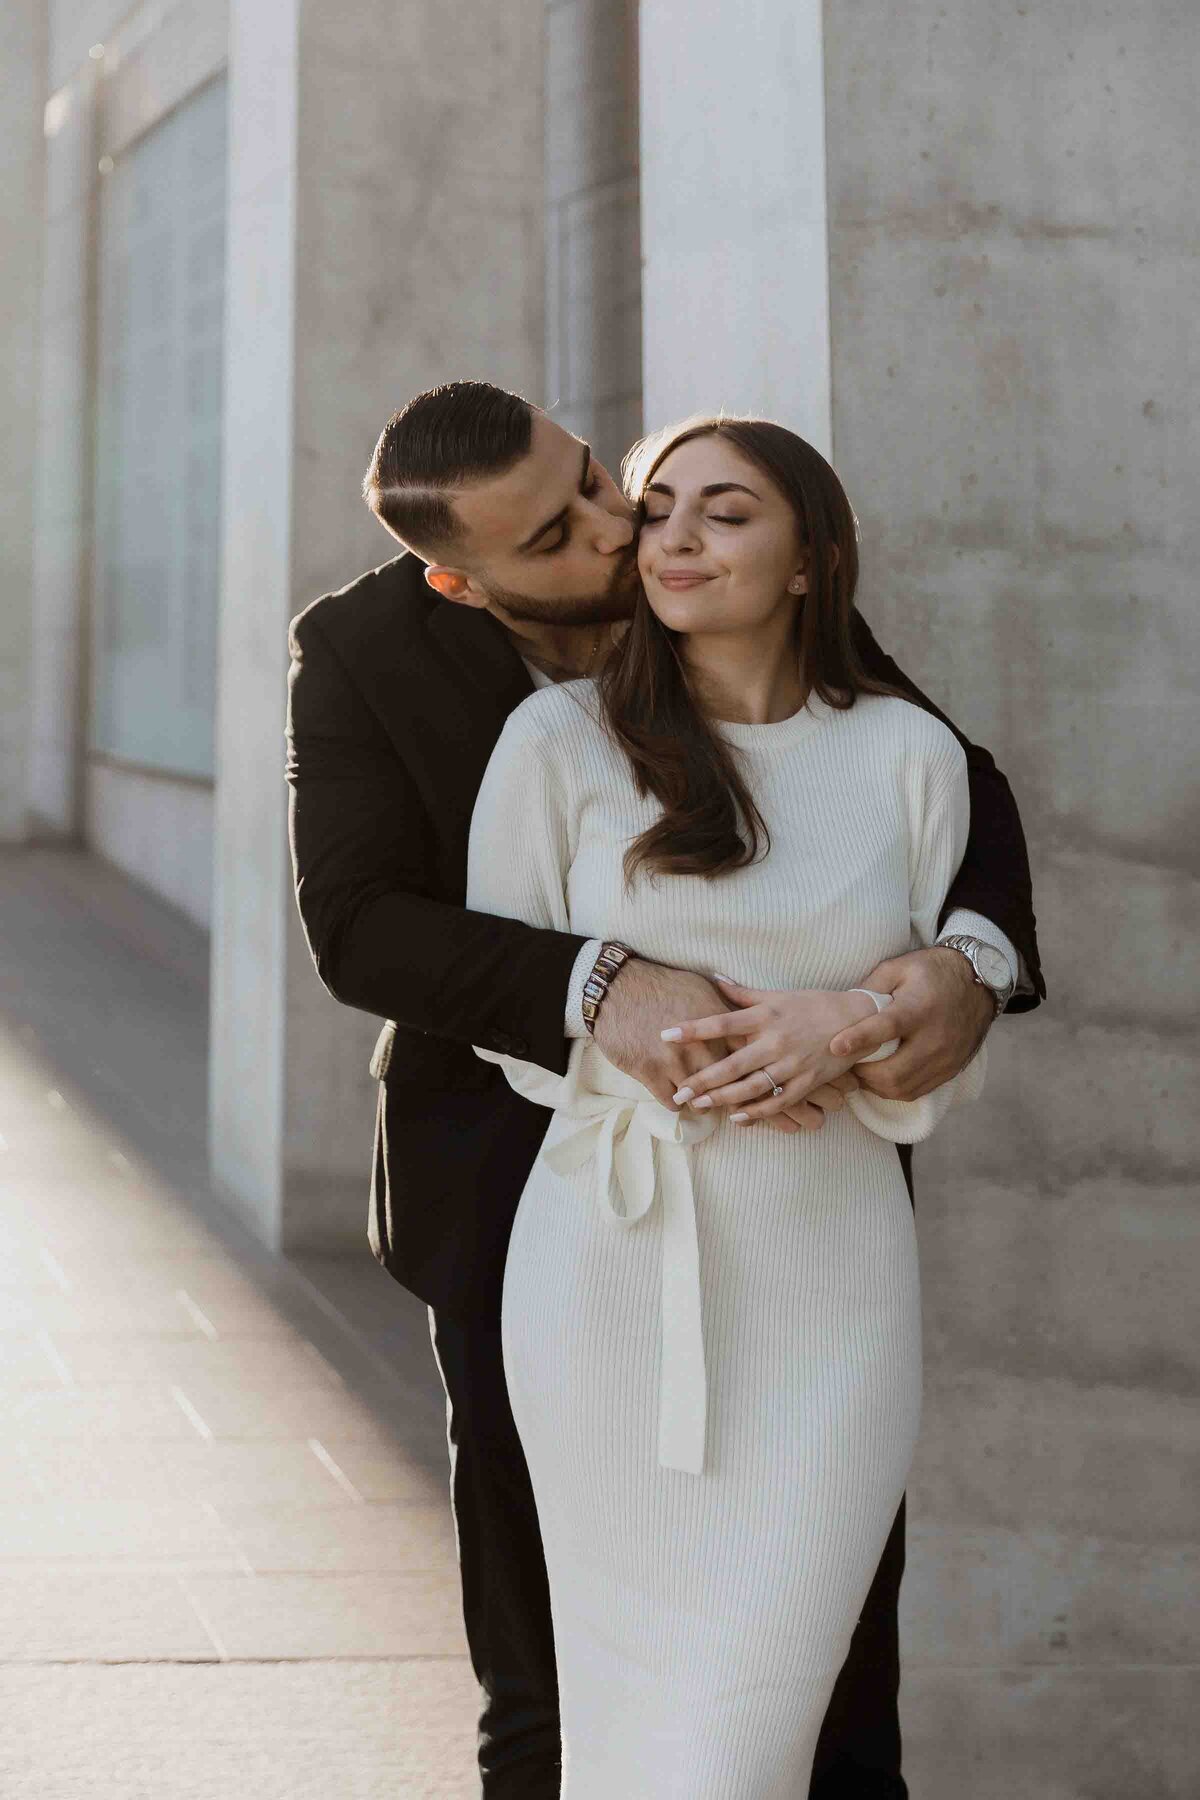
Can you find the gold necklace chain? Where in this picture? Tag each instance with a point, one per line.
(561, 672)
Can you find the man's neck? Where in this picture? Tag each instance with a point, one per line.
(564, 652)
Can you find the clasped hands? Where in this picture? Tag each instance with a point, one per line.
(720, 1036)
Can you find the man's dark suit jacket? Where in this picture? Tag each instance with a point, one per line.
(396, 700)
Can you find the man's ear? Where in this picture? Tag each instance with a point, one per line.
(454, 584)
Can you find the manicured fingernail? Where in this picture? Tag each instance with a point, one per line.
(739, 1118)
(703, 1101)
(682, 1097)
(728, 978)
(671, 1035)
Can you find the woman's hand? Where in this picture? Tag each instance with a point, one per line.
(787, 1032)
(805, 1115)
(810, 1114)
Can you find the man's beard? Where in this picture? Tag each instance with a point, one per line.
(615, 602)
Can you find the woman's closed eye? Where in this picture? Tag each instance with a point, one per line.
(713, 519)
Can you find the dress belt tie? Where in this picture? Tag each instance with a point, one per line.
(641, 1154)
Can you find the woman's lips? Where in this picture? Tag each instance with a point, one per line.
(680, 581)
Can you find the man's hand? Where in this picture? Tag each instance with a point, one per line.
(642, 999)
(940, 1013)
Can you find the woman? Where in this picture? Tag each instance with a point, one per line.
(711, 1331)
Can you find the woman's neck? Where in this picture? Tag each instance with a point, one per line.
(749, 679)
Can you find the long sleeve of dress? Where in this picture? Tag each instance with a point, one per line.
(517, 864)
(939, 841)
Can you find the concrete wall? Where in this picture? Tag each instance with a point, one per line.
(593, 379)
(1016, 341)
(156, 828)
(386, 228)
(22, 175)
(108, 73)
(385, 231)
(154, 825)
(75, 26)
(68, 83)
(735, 288)
(63, 462)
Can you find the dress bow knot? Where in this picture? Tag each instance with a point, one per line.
(640, 1149)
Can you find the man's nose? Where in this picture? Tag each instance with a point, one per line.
(613, 533)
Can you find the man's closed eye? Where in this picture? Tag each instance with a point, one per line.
(589, 493)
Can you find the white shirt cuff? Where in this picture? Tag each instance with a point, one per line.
(585, 962)
(972, 924)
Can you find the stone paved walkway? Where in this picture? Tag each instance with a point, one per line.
(226, 1569)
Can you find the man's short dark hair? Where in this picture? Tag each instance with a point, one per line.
(460, 432)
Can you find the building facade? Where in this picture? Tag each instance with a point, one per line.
(953, 248)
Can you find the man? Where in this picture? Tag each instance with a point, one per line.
(518, 563)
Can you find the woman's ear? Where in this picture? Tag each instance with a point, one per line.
(799, 582)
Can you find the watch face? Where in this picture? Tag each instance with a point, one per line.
(993, 966)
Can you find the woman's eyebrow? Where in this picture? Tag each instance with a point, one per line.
(706, 493)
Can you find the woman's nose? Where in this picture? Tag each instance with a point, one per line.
(677, 538)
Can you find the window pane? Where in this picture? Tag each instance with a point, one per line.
(161, 261)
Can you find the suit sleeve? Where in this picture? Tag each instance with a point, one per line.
(936, 856)
(362, 858)
(994, 879)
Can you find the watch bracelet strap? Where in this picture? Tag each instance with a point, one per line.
(951, 942)
(612, 958)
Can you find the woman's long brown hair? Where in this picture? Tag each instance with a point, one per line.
(710, 823)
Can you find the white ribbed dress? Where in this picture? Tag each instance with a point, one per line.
(711, 1333)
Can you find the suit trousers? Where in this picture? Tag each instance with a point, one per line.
(506, 1604)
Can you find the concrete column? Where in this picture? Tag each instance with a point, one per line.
(1016, 290)
(593, 255)
(385, 230)
(22, 177)
(63, 463)
(735, 269)
(1014, 294)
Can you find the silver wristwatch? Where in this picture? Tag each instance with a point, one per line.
(991, 966)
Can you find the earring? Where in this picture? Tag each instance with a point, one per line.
(796, 585)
